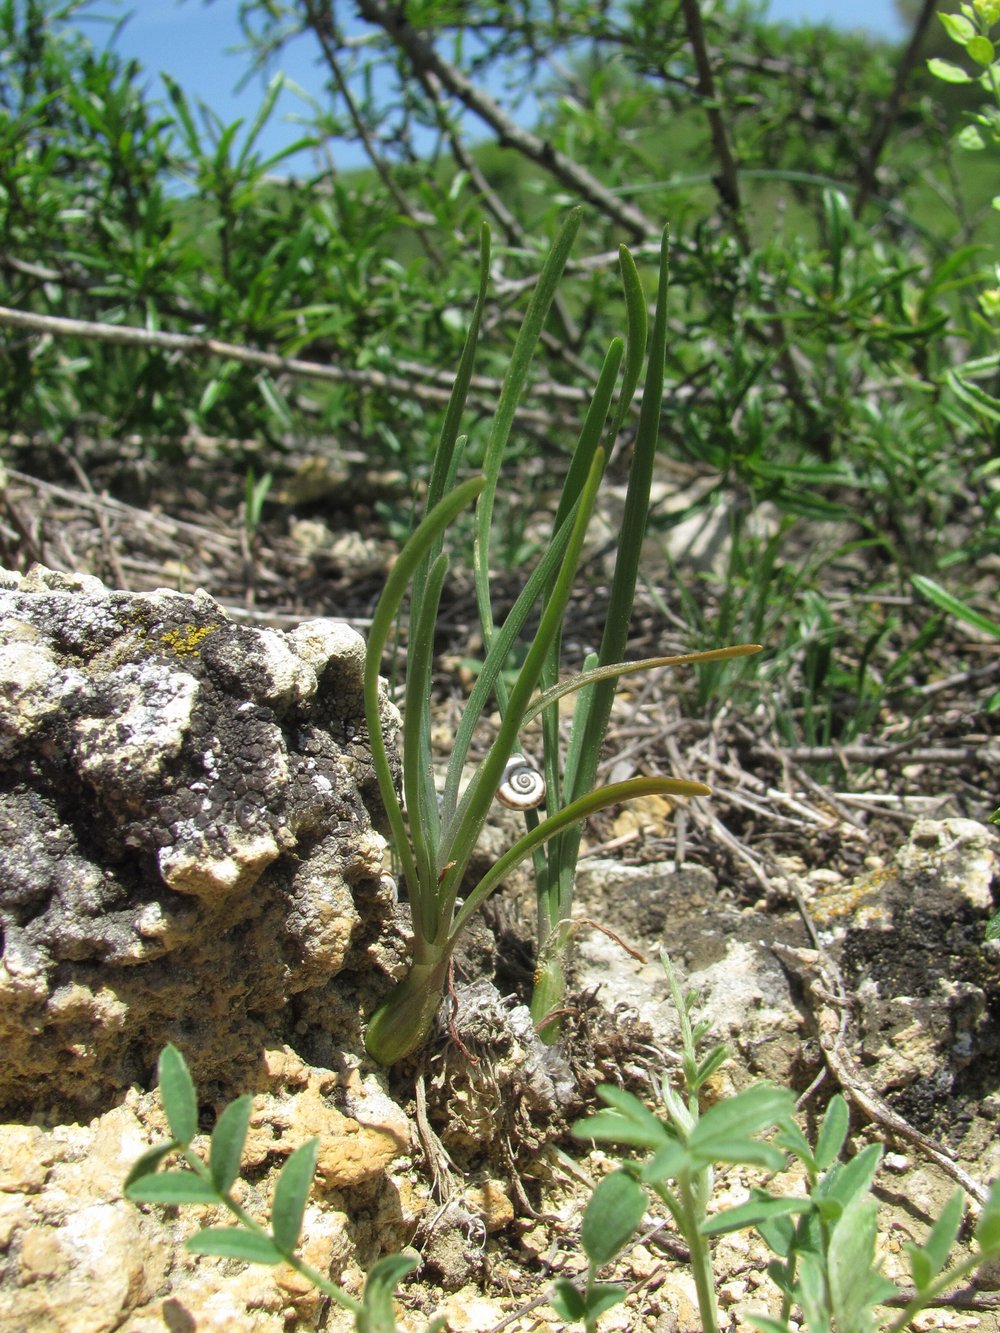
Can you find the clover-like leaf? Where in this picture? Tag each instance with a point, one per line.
(629, 1121)
(927, 1260)
(173, 1187)
(178, 1095)
(758, 1210)
(612, 1215)
(856, 1285)
(832, 1132)
(987, 1231)
(376, 1314)
(235, 1243)
(290, 1195)
(148, 1162)
(228, 1138)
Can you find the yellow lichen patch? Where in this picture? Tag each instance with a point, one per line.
(186, 641)
(861, 901)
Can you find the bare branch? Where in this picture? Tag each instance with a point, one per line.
(424, 58)
(421, 220)
(727, 182)
(427, 384)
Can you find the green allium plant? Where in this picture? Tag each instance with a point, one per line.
(435, 839)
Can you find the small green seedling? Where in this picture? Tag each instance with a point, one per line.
(681, 1150)
(211, 1183)
(824, 1241)
(255, 492)
(826, 1266)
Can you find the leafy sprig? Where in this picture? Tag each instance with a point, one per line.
(211, 1183)
(824, 1240)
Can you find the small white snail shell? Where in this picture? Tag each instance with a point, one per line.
(522, 786)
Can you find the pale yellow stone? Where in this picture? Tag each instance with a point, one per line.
(491, 1203)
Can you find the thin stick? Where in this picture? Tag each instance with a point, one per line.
(880, 133)
(825, 990)
(187, 344)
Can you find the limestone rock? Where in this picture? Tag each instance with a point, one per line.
(187, 851)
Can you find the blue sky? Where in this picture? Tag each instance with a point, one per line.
(192, 42)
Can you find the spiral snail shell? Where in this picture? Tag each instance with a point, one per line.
(522, 787)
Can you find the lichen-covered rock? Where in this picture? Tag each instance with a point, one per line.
(186, 845)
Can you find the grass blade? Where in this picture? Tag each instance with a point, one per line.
(954, 606)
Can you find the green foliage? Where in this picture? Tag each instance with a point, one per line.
(832, 333)
(971, 29)
(254, 494)
(824, 1240)
(681, 1149)
(212, 1183)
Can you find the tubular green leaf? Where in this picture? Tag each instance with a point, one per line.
(442, 474)
(402, 1022)
(637, 327)
(514, 381)
(492, 666)
(443, 513)
(475, 804)
(449, 448)
(418, 771)
(576, 477)
(596, 704)
(616, 669)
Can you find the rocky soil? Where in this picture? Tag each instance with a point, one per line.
(190, 851)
